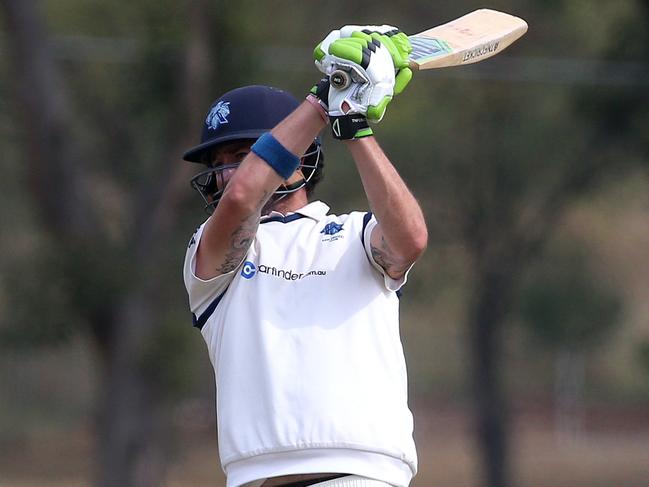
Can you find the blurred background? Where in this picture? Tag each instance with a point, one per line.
(525, 325)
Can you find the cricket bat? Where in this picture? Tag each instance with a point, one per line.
(471, 38)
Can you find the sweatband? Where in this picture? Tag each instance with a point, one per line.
(283, 161)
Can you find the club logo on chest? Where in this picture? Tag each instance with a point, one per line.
(332, 231)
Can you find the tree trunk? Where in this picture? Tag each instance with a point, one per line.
(491, 297)
(568, 385)
(56, 169)
(130, 451)
(131, 411)
(133, 415)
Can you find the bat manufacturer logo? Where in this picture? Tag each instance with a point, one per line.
(218, 115)
(480, 51)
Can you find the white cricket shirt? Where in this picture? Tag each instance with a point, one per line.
(304, 340)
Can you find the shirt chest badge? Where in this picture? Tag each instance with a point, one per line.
(331, 232)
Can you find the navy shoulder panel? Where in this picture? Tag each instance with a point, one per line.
(202, 319)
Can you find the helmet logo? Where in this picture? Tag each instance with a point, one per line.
(218, 115)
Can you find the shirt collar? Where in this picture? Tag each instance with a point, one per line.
(315, 210)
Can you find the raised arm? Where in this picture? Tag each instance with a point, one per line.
(400, 236)
(371, 63)
(230, 230)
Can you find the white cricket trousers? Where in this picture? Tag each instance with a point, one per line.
(352, 481)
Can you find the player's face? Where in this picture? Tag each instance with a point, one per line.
(228, 156)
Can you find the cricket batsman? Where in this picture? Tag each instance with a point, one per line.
(298, 306)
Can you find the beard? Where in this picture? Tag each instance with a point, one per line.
(278, 202)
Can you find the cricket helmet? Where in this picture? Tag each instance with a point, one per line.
(247, 113)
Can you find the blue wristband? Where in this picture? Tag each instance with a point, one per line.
(283, 161)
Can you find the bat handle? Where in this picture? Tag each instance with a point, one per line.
(340, 79)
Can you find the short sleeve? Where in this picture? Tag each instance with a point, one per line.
(202, 293)
(369, 223)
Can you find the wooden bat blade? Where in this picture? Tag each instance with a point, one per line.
(471, 38)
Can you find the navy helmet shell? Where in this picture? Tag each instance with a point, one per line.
(243, 113)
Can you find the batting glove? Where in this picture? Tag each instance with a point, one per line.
(396, 42)
(366, 68)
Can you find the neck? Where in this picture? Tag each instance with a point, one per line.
(291, 202)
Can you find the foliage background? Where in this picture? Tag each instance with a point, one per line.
(526, 324)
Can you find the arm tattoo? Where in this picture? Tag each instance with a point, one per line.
(242, 237)
(240, 241)
(384, 257)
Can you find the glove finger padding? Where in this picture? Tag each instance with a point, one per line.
(348, 30)
(369, 65)
(400, 44)
(399, 56)
(401, 80)
(400, 48)
(352, 49)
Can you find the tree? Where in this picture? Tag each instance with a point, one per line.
(505, 163)
(111, 280)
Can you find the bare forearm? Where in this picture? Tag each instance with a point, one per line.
(396, 209)
(255, 178)
(297, 131)
(230, 230)
(222, 249)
